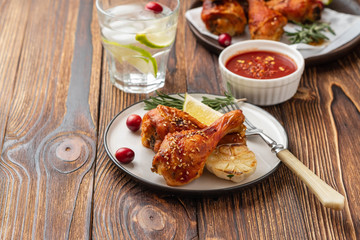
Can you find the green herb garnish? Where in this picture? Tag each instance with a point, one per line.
(218, 103)
(164, 99)
(230, 176)
(178, 103)
(310, 33)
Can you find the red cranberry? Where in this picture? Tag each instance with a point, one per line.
(224, 39)
(124, 155)
(153, 6)
(133, 122)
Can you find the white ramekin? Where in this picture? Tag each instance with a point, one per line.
(263, 91)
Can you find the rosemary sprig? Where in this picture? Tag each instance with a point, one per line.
(310, 33)
(178, 103)
(165, 100)
(217, 103)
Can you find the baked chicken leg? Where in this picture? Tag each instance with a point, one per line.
(182, 155)
(298, 10)
(265, 23)
(158, 122)
(223, 16)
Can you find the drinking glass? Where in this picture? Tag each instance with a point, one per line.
(138, 36)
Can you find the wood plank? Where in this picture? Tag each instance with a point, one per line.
(124, 208)
(176, 68)
(203, 75)
(341, 104)
(13, 19)
(50, 143)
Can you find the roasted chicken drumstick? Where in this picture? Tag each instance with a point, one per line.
(182, 155)
(265, 23)
(223, 16)
(158, 122)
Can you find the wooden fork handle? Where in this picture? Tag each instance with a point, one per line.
(326, 194)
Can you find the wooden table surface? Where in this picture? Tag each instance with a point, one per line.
(57, 182)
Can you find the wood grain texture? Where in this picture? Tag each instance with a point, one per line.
(14, 16)
(57, 182)
(341, 103)
(50, 140)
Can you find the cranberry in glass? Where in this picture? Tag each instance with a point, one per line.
(153, 6)
(224, 39)
(124, 155)
(133, 122)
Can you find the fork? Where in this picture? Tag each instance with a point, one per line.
(328, 196)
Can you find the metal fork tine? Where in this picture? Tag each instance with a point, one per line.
(247, 122)
(236, 105)
(249, 125)
(226, 108)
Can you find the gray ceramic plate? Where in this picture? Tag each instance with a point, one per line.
(118, 135)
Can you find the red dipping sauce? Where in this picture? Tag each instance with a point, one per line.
(261, 65)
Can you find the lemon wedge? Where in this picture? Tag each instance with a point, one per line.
(200, 111)
(137, 57)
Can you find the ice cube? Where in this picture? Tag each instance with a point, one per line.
(146, 15)
(125, 11)
(116, 36)
(126, 26)
(117, 24)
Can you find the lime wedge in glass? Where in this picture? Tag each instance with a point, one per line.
(135, 56)
(154, 40)
(157, 39)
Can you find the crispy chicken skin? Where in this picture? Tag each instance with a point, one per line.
(163, 120)
(236, 137)
(265, 23)
(223, 16)
(182, 155)
(158, 122)
(298, 10)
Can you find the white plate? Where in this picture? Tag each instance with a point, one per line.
(118, 135)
